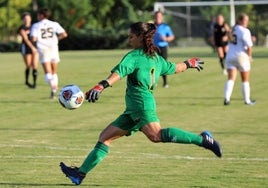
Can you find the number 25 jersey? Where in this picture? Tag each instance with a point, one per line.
(46, 32)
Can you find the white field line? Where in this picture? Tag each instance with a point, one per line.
(118, 155)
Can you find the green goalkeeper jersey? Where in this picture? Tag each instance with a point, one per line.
(142, 73)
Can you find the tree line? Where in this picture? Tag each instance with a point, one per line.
(103, 24)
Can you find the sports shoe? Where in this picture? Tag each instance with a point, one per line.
(251, 103)
(226, 103)
(52, 95)
(210, 143)
(72, 173)
(165, 86)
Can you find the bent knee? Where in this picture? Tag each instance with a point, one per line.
(154, 138)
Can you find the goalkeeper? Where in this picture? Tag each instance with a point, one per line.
(143, 67)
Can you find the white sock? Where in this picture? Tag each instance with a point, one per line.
(246, 91)
(228, 89)
(55, 82)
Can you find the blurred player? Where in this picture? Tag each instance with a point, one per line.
(210, 33)
(28, 50)
(143, 68)
(47, 33)
(162, 37)
(239, 58)
(221, 30)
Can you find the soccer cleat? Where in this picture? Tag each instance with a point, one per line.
(210, 143)
(52, 95)
(251, 103)
(72, 173)
(226, 103)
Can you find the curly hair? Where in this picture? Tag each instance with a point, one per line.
(147, 30)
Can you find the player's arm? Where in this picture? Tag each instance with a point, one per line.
(168, 38)
(93, 94)
(194, 62)
(27, 41)
(62, 35)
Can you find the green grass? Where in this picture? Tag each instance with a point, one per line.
(36, 133)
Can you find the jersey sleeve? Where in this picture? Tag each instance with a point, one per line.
(34, 31)
(125, 67)
(167, 67)
(169, 32)
(247, 39)
(59, 28)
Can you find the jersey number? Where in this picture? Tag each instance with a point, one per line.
(234, 39)
(152, 75)
(47, 33)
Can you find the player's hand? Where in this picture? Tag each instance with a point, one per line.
(194, 62)
(93, 94)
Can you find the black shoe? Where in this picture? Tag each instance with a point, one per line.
(52, 95)
(226, 103)
(29, 85)
(72, 173)
(211, 144)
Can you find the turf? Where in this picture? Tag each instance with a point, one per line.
(37, 133)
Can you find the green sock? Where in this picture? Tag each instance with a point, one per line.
(180, 136)
(94, 157)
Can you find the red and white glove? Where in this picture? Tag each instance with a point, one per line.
(93, 94)
(194, 62)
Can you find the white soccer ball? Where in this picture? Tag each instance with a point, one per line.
(71, 97)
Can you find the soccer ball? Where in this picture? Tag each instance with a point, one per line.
(71, 97)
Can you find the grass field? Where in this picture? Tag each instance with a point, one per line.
(37, 133)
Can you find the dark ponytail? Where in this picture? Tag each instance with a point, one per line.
(147, 30)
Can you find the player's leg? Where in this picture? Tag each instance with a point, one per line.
(100, 150)
(220, 51)
(244, 67)
(229, 85)
(27, 61)
(35, 67)
(55, 59)
(246, 88)
(55, 79)
(164, 54)
(155, 133)
(48, 76)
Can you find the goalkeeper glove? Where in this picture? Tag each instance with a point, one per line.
(93, 94)
(194, 62)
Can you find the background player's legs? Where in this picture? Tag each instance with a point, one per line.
(35, 67)
(221, 55)
(27, 61)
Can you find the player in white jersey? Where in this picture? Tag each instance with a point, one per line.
(47, 33)
(239, 58)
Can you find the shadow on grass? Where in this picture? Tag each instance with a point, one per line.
(43, 184)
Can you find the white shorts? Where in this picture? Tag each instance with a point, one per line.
(240, 62)
(47, 55)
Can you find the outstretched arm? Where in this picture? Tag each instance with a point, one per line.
(194, 62)
(93, 94)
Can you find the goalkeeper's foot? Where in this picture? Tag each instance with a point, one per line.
(72, 173)
(210, 143)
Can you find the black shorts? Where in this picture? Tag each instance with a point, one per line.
(24, 49)
(221, 43)
(163, 51)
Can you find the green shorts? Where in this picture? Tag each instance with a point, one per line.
(133, 122)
